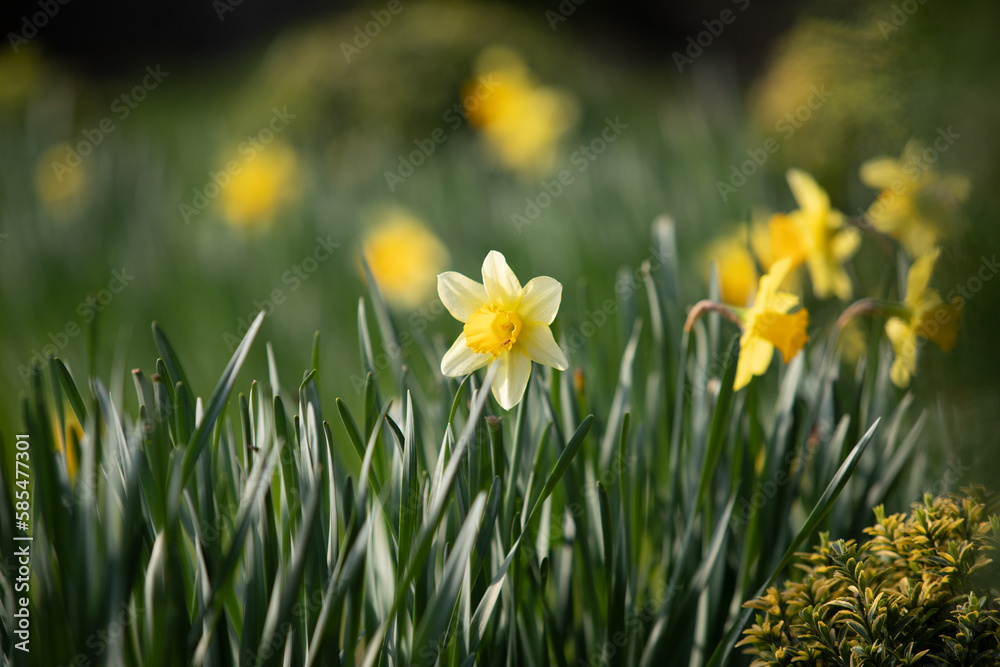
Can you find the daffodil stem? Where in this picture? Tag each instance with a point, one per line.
(706, 306)
(871, 306)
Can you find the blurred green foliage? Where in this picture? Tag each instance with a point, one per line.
(353, 119)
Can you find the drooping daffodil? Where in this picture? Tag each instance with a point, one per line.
(505, 324)
(915, 203)
(767, 325)
(815, 234)
(924, 314)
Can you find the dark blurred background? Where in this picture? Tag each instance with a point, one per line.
(106, 38)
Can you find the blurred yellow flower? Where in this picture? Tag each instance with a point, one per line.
(404, 257)
(259, 185)
(737, 271)
(521, 120)
(61, 188)
(915, 204)
(504, 324)
(767, 325)
(816, 235)
(924, 314)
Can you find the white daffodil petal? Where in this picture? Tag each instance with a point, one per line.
(540, 300)
(500, 282)
(460, 360)
(539, 345)
(462, 296)
(511, 378)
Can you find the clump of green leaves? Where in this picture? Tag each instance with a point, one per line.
(921, 591)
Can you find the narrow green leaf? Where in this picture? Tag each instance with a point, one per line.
(623, 397)
(215, 406)
(169, 356)
(720, 420)
(315, 355)
(608, 539)
(456, 401)
(408, 487)
(565, 458)
(486, 532)
(72, 393)
(353, 432)
(365, 340)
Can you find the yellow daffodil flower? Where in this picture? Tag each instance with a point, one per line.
(915, 204)
(505, 324)
(769, 242)
(259, 186)
(737, 272)
(521, 120)
(816, 235)
(925, 315)
(767, 324)
(404, 257)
